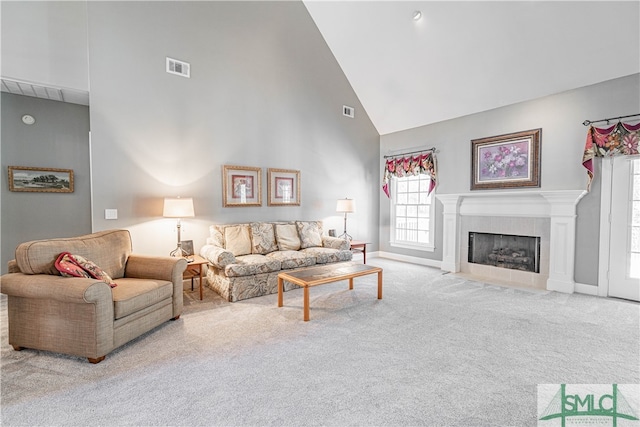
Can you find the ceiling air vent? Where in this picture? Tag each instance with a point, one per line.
(348, 111)
(179, 68)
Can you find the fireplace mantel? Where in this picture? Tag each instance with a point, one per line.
(559, 206)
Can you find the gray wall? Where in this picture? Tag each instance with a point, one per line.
(45, 42)
(265, 91)
(563, 137)
(58, 139)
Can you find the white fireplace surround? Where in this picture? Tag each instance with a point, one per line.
(559, 206)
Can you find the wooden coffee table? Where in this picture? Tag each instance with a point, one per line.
(314, 276)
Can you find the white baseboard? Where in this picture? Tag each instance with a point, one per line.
(407, 258)
(582, 288)
(565, 287)
(569, 288)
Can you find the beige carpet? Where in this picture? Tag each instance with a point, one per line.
(436, 350)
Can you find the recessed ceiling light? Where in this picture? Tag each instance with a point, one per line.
(28, 119)
(417, 15)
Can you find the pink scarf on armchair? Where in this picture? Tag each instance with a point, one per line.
(77, 266)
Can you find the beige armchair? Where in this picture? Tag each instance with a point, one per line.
(86, 317)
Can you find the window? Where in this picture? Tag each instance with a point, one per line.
(412, 213)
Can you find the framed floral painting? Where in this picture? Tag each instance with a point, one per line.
(506, 161)
(283, 187)
(241, 186)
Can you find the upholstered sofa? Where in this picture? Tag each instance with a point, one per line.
(244, 259)
(85, 316)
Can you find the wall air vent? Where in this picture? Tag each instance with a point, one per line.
(348, 111)
(179, 68)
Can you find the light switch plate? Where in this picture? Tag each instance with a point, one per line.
(111, 214)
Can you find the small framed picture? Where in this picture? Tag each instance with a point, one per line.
(283, 187)
(41, 180)
(241, 186)
(187, 247)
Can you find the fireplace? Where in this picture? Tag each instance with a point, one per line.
(548, 214)
(505, 251)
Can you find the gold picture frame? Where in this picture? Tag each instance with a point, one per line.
(40, 180)
(283, 187)
(241, 186)
(506, 161)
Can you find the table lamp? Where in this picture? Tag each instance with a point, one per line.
(346, 206)
(178, 208)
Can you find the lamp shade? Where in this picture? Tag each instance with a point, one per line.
(346, 205)
(178, 207)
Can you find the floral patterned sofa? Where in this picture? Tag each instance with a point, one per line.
(245, 259)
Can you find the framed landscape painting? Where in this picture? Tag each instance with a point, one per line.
(41, 180)
(283, 187)
(241, 186)
(506, 161)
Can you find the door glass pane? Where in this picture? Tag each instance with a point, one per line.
(634, 244)
(634, 269)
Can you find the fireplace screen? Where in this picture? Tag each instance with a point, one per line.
(505, 251)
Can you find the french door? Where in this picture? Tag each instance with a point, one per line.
(624, 249)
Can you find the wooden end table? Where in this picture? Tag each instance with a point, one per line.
(360, 247)
(194, 269)
(314, 276)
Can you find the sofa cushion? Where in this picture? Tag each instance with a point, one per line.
(247, 265)
(292, 259)
(216, 235)
(237, 240)
(328, 255)
(263, 238)
(287, 237)
(310, 234)
(109, 249)
(132, 295)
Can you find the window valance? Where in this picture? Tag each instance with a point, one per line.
(616, 140)
(421, 164)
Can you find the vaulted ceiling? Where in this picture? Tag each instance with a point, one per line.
(460, 58)
(464, 57)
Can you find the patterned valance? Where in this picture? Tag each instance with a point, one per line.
(421, 164)
(619, 139)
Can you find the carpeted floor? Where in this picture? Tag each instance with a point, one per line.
(436, 350)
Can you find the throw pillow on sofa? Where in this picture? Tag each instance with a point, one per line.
(237, 240)
(263, 238)
(287, 237)
(310, 234)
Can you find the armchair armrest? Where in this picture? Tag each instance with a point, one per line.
(65, 289)
(71, 315)
(162, 268)
(155, 267)
(217, 256)
(336, 243)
